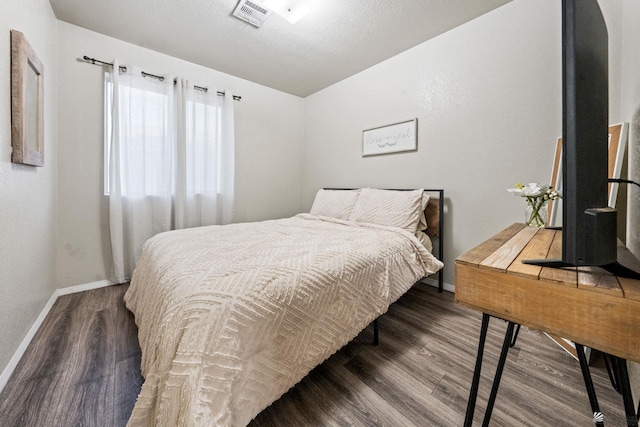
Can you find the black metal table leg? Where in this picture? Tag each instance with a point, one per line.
(598, 418)
(473, 393)
(515, 336)
(616, 366)
(612, 370)
(508, 339)
(625, 389)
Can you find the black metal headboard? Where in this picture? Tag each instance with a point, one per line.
(440, 228)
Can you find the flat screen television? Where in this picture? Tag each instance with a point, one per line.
(588, 224)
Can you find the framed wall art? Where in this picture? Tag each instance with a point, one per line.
(402, 136)
(27, 97)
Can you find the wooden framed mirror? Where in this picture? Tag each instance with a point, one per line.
(617, 146)
(27, 97)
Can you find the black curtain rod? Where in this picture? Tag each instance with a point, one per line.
(161, 78)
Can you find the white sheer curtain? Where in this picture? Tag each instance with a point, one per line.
(170, 160)
(205, 162)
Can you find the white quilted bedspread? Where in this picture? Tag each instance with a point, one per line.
(231, 317)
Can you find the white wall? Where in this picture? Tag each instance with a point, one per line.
(27, 194)
(488, 100)
(630, 112)
(268, 147)
(487, 96)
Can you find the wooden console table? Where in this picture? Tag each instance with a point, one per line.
(586, 305)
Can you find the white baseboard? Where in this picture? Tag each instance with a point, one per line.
(84, 287)
(13, 363)
(11, 366)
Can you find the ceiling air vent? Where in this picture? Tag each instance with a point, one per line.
(251, 12)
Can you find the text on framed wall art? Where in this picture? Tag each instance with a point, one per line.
(391, 138)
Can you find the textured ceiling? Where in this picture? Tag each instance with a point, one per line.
(338, 39)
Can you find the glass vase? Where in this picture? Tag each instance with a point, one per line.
(536, 213)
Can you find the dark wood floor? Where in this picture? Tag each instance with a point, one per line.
(82, 368)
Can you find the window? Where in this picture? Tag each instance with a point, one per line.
(146, 140)
(168, 160)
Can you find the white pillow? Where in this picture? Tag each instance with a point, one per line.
(388, 207)
(335, 203)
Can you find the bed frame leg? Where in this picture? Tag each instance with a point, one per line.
(375, 332)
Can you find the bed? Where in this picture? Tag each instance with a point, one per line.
(230, 317)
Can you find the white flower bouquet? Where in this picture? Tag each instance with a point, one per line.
(537, 197)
